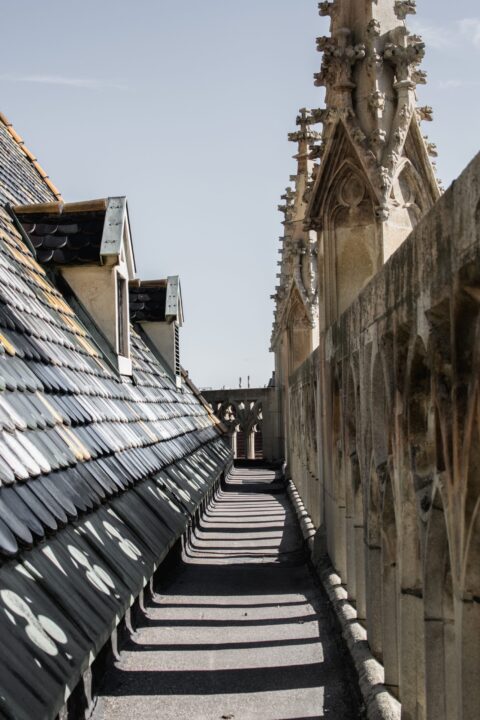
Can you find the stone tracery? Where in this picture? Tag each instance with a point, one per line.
(381, 422)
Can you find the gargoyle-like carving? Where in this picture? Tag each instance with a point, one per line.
(404, 8)
(419, 77)
(326, 116)
(327, 8)
(373, 28)
(317, 151)
(377, 139)
(425, 113)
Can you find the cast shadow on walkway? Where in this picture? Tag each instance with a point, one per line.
(239, 628)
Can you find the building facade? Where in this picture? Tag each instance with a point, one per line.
(380, 421)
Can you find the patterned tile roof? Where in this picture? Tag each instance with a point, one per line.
(65, 234)
(99, 473)
(22, 179)
(148, 301)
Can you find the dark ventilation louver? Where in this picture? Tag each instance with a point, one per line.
(177, 351)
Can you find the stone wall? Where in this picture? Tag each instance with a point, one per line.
(303, 436)
(396, 492)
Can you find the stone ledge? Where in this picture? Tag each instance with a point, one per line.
(379, 703)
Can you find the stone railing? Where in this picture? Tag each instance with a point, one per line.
(251, 417)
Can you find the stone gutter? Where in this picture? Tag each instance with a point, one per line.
(379, 703)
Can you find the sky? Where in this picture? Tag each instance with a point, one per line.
(184, 106)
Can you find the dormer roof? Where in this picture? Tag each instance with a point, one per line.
(156, 300)
(80, 233)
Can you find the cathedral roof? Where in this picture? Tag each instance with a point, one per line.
(99, 472)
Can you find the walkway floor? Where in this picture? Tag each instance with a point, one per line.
(241, 629)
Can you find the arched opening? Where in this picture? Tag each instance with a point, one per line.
(390, 591)
(440, 654)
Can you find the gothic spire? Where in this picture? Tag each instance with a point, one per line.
(370, 70)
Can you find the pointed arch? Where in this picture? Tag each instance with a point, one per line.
(299, 330)
(352, 245)
(440, 652)
(344, 206)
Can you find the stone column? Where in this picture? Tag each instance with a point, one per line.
(233, 442)
(250, 445)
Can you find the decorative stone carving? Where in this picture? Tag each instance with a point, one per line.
(327, 8)
(339, 57)
(298, 276)
(404, 54)
(431, 148)
(425, 113)
(377, 139)
(404, 8)
(419, 77)
(373, 29)
(376, 102)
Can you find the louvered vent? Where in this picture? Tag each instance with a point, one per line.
(177, 351)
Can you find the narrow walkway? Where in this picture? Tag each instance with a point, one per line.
(241, 630)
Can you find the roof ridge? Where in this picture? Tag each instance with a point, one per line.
(30, 156)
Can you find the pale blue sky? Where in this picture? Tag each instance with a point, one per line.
(185, 107)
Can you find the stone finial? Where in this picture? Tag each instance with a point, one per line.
(339, 57)
(404, 53)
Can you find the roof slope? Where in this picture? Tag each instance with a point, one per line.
(99, 475)
(22, 179)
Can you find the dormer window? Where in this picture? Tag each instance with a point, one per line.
(90, 245)
(156, 305)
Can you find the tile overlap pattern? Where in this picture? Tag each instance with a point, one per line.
(147, 303)
(99, 476)
(65, 239)
(20, 180)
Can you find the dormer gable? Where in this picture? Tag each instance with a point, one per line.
(157, 306)
(89, 244)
